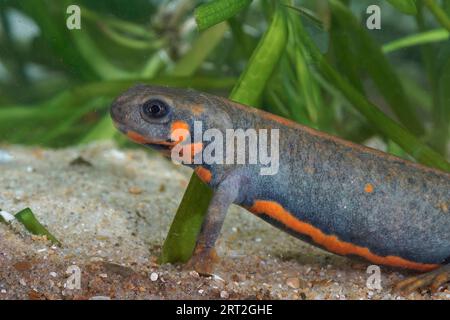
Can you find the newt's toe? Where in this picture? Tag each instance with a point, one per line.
(439, 281)
(432, 280)
(203, 261)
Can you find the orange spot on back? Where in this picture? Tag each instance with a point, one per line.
(368, 188)
(197, 109)
(204, 174)
(331, 242)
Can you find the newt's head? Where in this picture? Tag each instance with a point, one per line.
(150, 115)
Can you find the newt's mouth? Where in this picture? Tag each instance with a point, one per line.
(139, 138)
(164, 146)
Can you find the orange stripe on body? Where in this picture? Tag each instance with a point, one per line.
(330, 242)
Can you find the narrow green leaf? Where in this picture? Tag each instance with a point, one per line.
(186, 225)
(344, 52)
(405, 6)
(373, 60)
(252, 81)
(216, 11)
(381, 122)
(441, 108)
(201, 48)
(416, 39)
(305, 80)
(439, 13)
(27, 218)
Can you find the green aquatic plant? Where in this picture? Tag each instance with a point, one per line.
(28, 219)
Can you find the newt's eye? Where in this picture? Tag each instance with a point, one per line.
(154, 108)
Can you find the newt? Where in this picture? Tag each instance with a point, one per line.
(345, 198)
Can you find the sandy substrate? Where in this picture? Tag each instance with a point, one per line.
(112, 215)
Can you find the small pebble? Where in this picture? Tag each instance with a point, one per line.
(116, 154)
(53, 274)
(293, 283)
(194, 274)
(217, 278)
(224, 294)
(154, 276)
(6, 216)
(5, 157)
(22, 266)
(135, 190)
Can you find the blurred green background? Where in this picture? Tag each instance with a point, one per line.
(334, 74)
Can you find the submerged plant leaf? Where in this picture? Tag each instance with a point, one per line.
(416, 39)
(372, 60)
(405, 6)
(27, 218)
(216, 11)
(416, 148)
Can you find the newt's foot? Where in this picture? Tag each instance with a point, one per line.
(433, 280)
(203, 261)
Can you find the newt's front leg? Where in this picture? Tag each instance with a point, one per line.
(205, 255)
